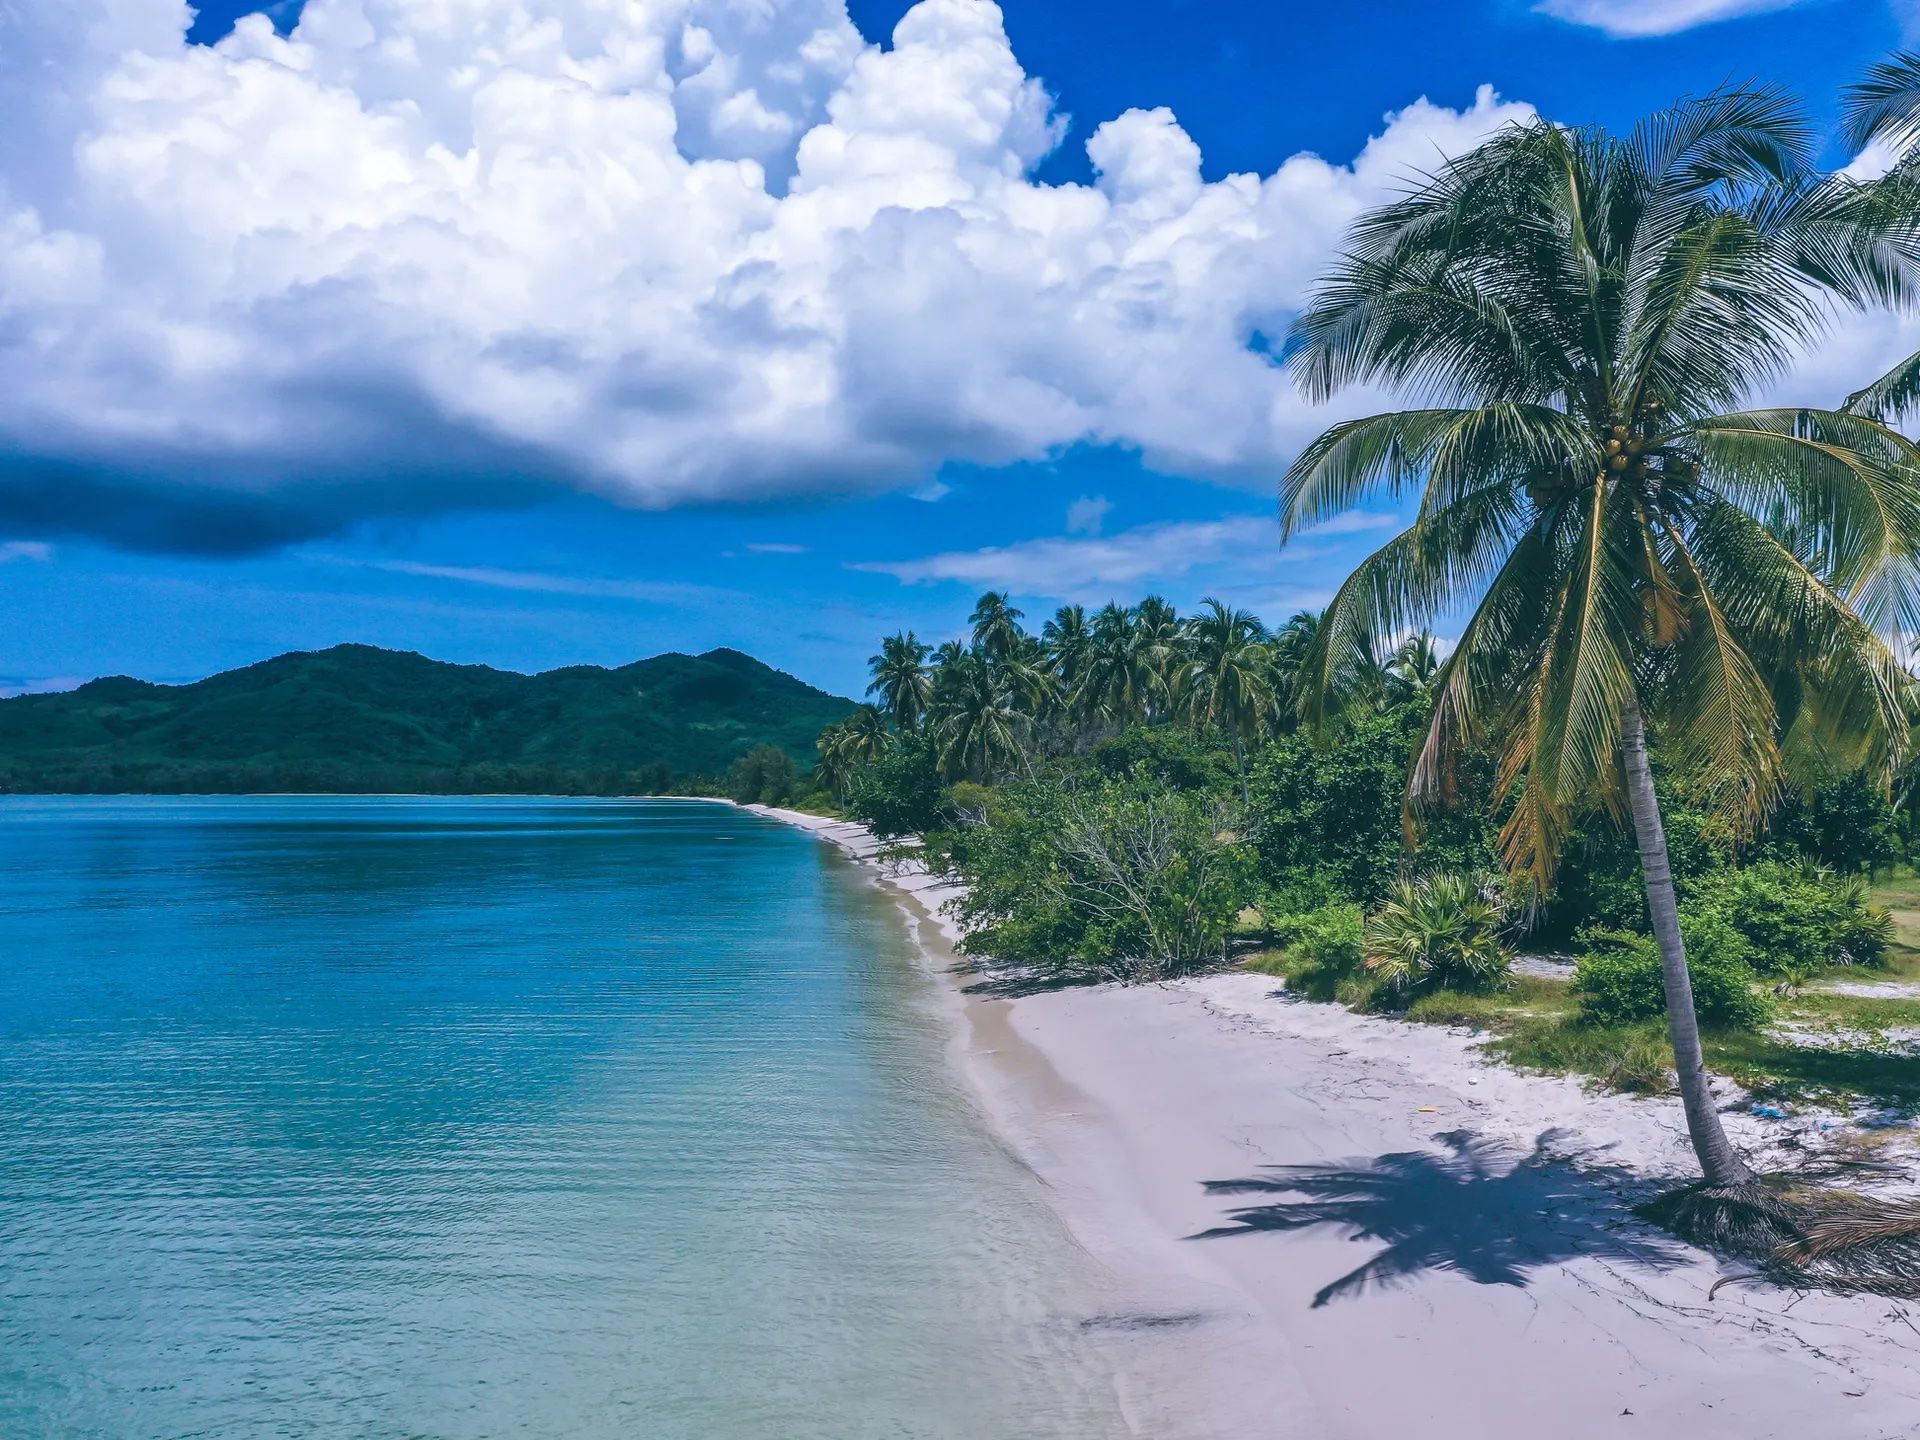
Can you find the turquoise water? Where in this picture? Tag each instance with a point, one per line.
(497, 1117)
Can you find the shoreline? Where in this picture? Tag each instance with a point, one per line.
(1498, 1286)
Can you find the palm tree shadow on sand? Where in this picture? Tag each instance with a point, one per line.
(1475, 1207)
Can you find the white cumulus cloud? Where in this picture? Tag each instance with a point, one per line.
(422, 254)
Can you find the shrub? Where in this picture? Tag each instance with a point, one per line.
(1328, 938)
(1329, 817)
(1797, 919)
(1619, 979)
(1319, 953)
(899, 793)
(765, 775)
(1120, 878)
(1440, 931)
(1175, 757)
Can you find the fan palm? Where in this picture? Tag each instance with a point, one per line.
(1581, 316)
(900, 679)
(1226, 682)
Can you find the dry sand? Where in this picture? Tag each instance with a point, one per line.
(1323, 1224)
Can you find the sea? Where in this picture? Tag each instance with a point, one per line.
(489, 1117)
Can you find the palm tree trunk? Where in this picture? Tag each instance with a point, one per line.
(1719, 1161)
(1240, 767)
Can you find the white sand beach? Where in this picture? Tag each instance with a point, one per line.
(1332, 1225)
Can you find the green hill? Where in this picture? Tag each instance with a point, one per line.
(356, 718)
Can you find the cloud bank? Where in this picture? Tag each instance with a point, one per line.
(422, 255)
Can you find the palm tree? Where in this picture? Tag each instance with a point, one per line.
(1068, 640)
(996, 626)
(1414, 667)
(1227, 680)
(900, 679)
(1582, 317)
(1109, 692)
(1157, 639)
(1293, 643)
(847, 744)
(977, 730)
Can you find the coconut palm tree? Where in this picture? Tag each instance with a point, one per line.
(1068, 640)
(1414, 666)
(1581, 318)
(1293, 643)
(900, 679)
(978, 731)
(848, 744)
(1110, 692)
(1158, 637)
(996, 626)
(1226, 682)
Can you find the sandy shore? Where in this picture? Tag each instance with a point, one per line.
(1325, 1224)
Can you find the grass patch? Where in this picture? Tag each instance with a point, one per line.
(1857, 1012)
(1899, 893)
(1533, 1025)
(1523, 999)
(1633, 1058)
(1779, 1071)
(1308, 976)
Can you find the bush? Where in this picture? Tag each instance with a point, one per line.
(1318, 953)
(1329, 938)
(1850, 824)
(1598, 880)
(900, 793)
(1619, 979)
(1438, 932)
(765, 775)
(1175, 757)
(1122, 878)
(1797, 919)
(1329, 816)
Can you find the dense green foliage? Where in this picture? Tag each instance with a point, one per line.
(1796, 919)
(1329, 819)
(765, 775)
(900, 792)
(1618, 979)
(1122, 877)
(1286, 835)
(358, 719)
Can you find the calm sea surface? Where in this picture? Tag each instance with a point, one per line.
(501, 1117)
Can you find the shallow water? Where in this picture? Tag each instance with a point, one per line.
(464, 1118)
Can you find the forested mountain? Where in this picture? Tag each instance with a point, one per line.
(357, 718)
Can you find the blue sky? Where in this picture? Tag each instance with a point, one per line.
(246, 415)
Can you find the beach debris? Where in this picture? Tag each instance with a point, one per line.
(1429, 1109)
(1769, 1112)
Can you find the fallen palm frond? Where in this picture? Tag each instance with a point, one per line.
(1866, 1246)
(1801, 1236)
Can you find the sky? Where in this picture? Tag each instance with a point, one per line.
(544, 332)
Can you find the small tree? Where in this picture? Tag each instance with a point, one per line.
(765, 775)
